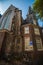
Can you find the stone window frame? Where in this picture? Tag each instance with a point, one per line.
(34, 22)
(36, 31)
(18, 43)
(39, 42)
(30, 47)
(26, 30)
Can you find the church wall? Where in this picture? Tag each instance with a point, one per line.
(2, 35)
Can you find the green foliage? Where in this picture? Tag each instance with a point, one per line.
(38, 7)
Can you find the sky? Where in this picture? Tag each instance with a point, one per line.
(21, 4)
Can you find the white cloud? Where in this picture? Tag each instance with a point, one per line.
(1, 11)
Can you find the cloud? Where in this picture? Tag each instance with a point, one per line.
(1, 8)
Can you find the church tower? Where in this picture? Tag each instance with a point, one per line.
(31, 34)
(31, 17)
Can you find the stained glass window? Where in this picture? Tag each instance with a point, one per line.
(6, 21)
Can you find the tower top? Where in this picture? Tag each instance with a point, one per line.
(30, 11)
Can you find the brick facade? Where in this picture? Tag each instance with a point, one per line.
(13, 45)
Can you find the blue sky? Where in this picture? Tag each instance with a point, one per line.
(21, 4)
